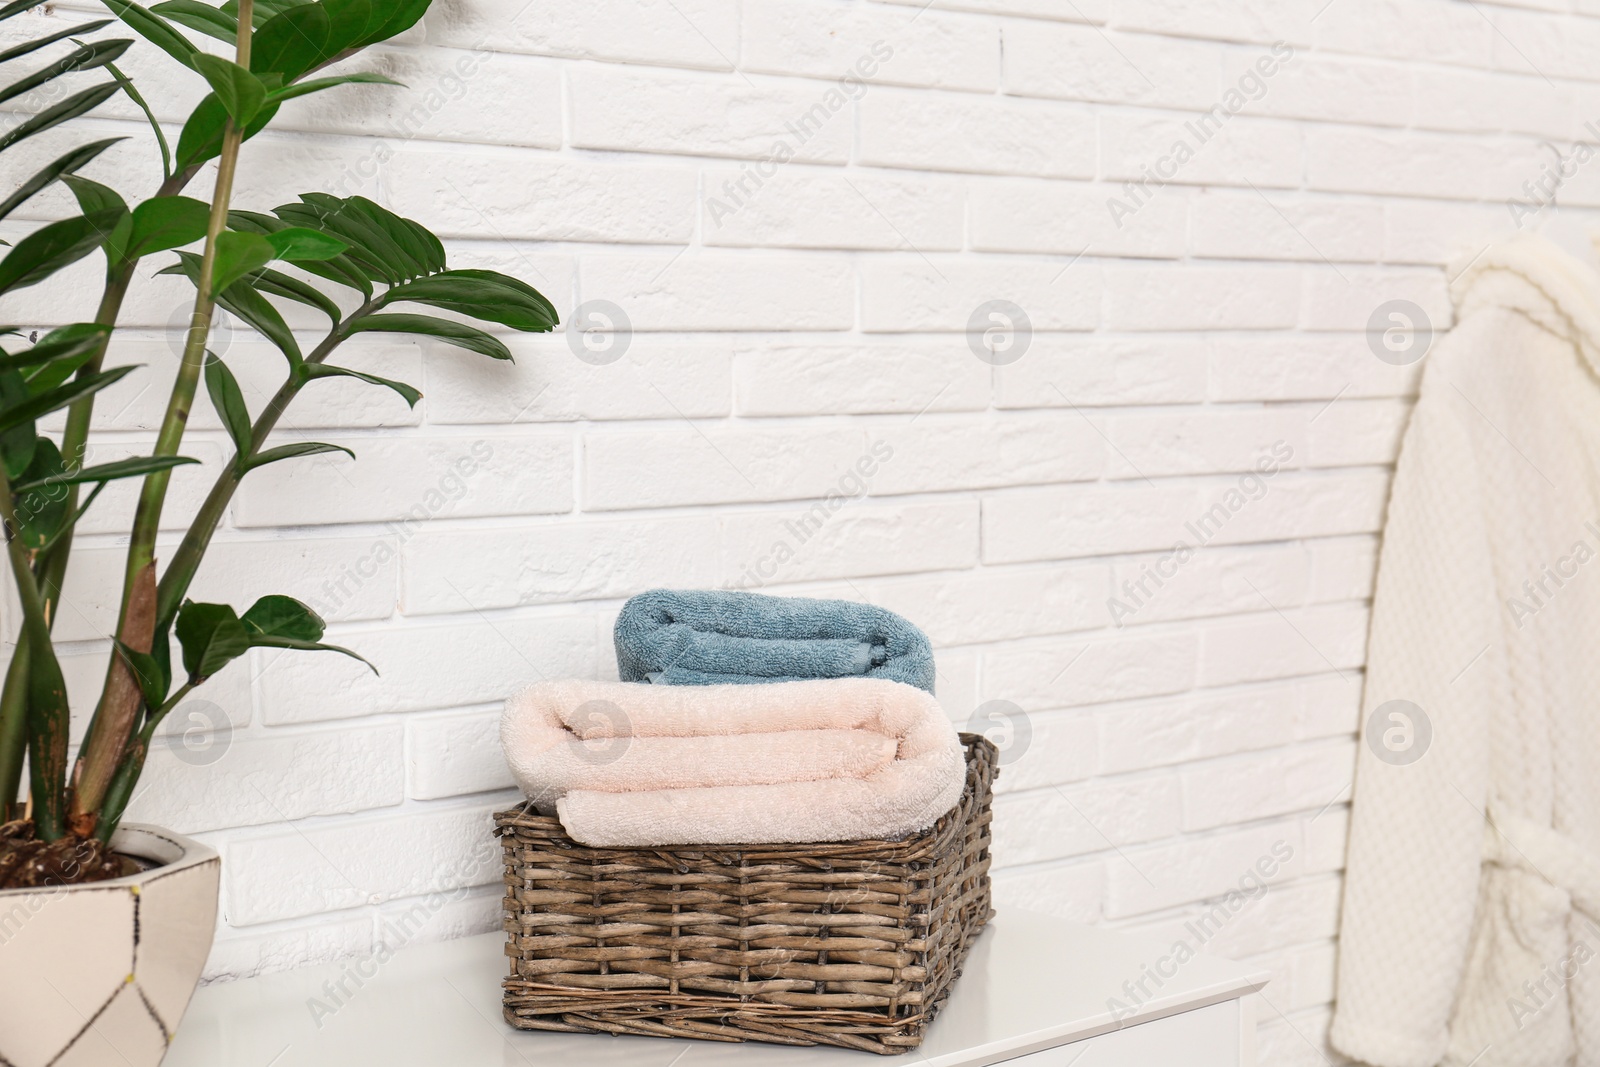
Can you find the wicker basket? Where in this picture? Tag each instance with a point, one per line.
(853, 944)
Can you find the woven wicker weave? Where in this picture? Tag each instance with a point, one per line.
(853, 944)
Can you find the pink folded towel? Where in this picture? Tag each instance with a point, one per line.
(836, 759)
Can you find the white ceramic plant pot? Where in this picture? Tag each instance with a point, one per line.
(100, 974)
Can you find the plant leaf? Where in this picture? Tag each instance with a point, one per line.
(110, 472)
(41, 515)
(387, 247)
(254, 222)
(397, 17)
(51, 117)
(18, 443)
(371, 250)
(283, 622)
(53, 373)
(299, 448)
(229, 402)
(317, 85)
(240, 91)
(64, 164)
(155, 29)
(283, 616)
(352, 21)
(274, 283)
(92, 196)
(49, 723)
(291, 42)
(201, 138)
(165, 222)
(456, 333)
(72, 520)
(83, 338)
(161, 645)
(297, 243)
(243, 300)
(237, 255)
(85, 57)
(146, 670)
(59, 397)
(212, 637)
(387, 234)
(307, 646)
(201, 17)
(75, 30)
(340, 269)
(50, 248)
(323, 370)
(482, 294)
(131, 91)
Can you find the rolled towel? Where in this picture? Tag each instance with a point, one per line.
(634, 766)
(709, 637)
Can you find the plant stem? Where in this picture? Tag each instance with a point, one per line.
(106, 735)
(13, 728)
(120, 791)
(116, 717)
(102, 751)
(152, 497)
(14, 695)
(47, 703)
(75, 438)
(186, 560)
(161, 713)
(147, 519)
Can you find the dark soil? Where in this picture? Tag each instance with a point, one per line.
(26, 862)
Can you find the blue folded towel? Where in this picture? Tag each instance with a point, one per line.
(710, 637)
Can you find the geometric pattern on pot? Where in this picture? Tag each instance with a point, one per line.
(64, 957)
(125, 1032)
(174, 940)
(100, 974)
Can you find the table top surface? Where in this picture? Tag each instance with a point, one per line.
(1031, 982)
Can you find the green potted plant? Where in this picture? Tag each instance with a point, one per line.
(99, 919)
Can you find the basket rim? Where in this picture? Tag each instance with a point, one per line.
(982, 755)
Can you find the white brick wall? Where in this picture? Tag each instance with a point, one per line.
(799, 204)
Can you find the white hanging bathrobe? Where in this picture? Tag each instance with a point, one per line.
(1471, 930)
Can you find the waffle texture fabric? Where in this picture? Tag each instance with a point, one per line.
(1472, 886)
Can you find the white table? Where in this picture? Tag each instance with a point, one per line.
(1033, 994)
